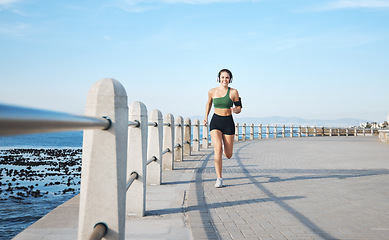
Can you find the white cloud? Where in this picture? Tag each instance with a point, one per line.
(7, 2)
(14, 30)
(199, 1)
(145, 5)
(136, 2)
(341, 4)
(7, 5)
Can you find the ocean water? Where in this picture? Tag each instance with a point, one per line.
(43, 140)
(38, 172)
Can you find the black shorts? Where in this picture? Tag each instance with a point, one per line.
(223, 123)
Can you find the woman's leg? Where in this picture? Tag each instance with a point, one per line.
(228, 141)
(217, 138)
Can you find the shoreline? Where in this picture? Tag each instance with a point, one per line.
(34, 181)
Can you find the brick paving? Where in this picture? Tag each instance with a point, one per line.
(300, 188)
(275, 189)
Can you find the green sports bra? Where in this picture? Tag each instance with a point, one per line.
(223, 102)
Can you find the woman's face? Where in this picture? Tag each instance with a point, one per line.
(224, 78)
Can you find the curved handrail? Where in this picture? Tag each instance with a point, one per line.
(99, 231)
(131, 179)
(20, 120)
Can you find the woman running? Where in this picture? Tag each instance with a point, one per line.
(222, 124)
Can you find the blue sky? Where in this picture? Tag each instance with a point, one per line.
(315, 59)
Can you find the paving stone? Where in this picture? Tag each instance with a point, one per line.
(291, 188)
(300, 188)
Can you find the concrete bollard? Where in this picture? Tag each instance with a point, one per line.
(330, 133)
(275, 131)
(168, 142)
(154, 149)
(260, 131)
(252, 131)
(299, 131)
(307, 131)
(137, 160)
(291, 131)
(236, 138)
(244, 132)
(187, 137)
(104, 153)
(267, 131)
(178, 139)
(283, 131)
(196, 135)
(205, 137)
(315, 131)
(355, 132)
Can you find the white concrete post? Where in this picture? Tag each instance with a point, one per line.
(299, 131)
(244, 132)
(275, 131)
(315, 131)
(252, 131)
(355, 132)
(205, 143)
(338, 131)
(347, 131)
(307, 131)
(267, 131)
(168, 142)
(236, 132)
(260, 131)
(364, 131)
(330, 131)
(187, 137)
(178, 139)
(137, 159)
(291, 131)
(104, 152)
(154, 149)
(196, 135)
(283, 131)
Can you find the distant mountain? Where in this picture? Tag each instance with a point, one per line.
(295, 121)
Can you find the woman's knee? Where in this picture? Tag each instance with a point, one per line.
(218, 148)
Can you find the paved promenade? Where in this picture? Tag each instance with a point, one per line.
(300, 188)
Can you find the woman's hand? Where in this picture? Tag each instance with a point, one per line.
(205, 121)
(236, 110)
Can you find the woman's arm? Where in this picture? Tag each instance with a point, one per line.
(235, 98)
(208, 107)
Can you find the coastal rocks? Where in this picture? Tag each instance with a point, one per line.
(36, 173)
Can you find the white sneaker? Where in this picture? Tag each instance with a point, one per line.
(219, 183)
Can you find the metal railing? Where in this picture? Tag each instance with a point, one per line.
(99, 231)
(20, 120)
(131, 179)
(273, 131)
